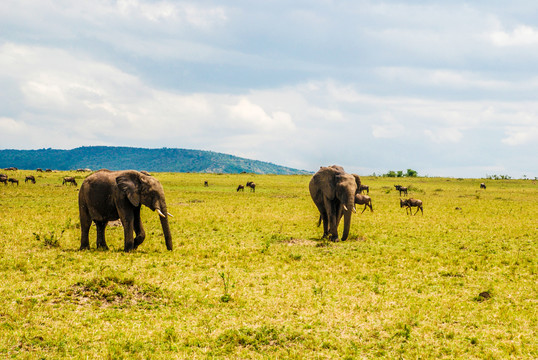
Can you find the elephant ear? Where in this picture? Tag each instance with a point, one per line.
(357, 180)
(130, 188)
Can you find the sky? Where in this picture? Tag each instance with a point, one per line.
(446, 88)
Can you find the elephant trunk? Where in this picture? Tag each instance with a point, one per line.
(347, 223)
(163, 216)
(166, 232)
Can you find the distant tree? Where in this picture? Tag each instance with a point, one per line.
(390, 174)
(399, 173)
(411, 173)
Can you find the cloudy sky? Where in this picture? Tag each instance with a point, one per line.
(446, 87)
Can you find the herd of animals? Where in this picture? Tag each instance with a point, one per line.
(106, 196)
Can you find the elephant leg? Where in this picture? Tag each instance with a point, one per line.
(138, 229)
(128, 228)
(101, 242)
(85, 224)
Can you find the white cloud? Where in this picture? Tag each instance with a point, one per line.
(521, 135)
(11, 127)
(444, 135)
(522, 35)
(254, 117)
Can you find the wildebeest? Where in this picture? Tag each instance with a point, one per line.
(69, 179)
(3, 178)
(240, 188)
(364, 188)
(409, 203)
(12, 168)
(482, 186)
(39, 170)
(364, 200)
(30, 178)
(401, 189)
(251, 185)
(13, 181)
(206, 184)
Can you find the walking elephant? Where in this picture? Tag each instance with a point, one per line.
(333, 191)
(111, 195)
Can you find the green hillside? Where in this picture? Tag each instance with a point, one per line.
(158, 160)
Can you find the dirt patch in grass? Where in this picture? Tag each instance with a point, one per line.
(301, 242)
(113, 291)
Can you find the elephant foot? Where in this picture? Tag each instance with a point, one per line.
(85, 247)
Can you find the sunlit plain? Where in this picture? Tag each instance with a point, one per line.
(250, 276)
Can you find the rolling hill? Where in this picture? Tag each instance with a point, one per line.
(158, 160)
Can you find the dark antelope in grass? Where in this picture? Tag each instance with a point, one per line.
(364, 188)
(364, 200)
(251, 185)
(69, 180)
(13, 181)
(409, 203)
(482, 186)
(401, 189)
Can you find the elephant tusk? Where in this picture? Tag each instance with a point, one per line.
(160, 213)
(170, 215)
(345, 207)
(354, 210)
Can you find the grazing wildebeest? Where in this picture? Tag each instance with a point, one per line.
(409, 203)
(482, 186)
(401, 189)
(13, 181)
(3, 178)
(251, 185)
(240, 188)
(364, 200)
(206, 184)
(364, 188)
(69, 179)
(30, 178)
(39, 170)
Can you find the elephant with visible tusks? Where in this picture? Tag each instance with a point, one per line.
(333, 191)
(111, 195)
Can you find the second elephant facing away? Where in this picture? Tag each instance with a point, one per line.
(111, 195)
(333, 191)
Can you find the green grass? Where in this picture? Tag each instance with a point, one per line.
(249, 276)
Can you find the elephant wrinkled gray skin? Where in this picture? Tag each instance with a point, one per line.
(333, 191)
(110, 195)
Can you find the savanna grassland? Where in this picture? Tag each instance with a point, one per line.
(249, 276)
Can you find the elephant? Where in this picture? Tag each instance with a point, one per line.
(111, 195)
(333, 191)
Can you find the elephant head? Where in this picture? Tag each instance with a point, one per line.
(145, 190)
(333, 191)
